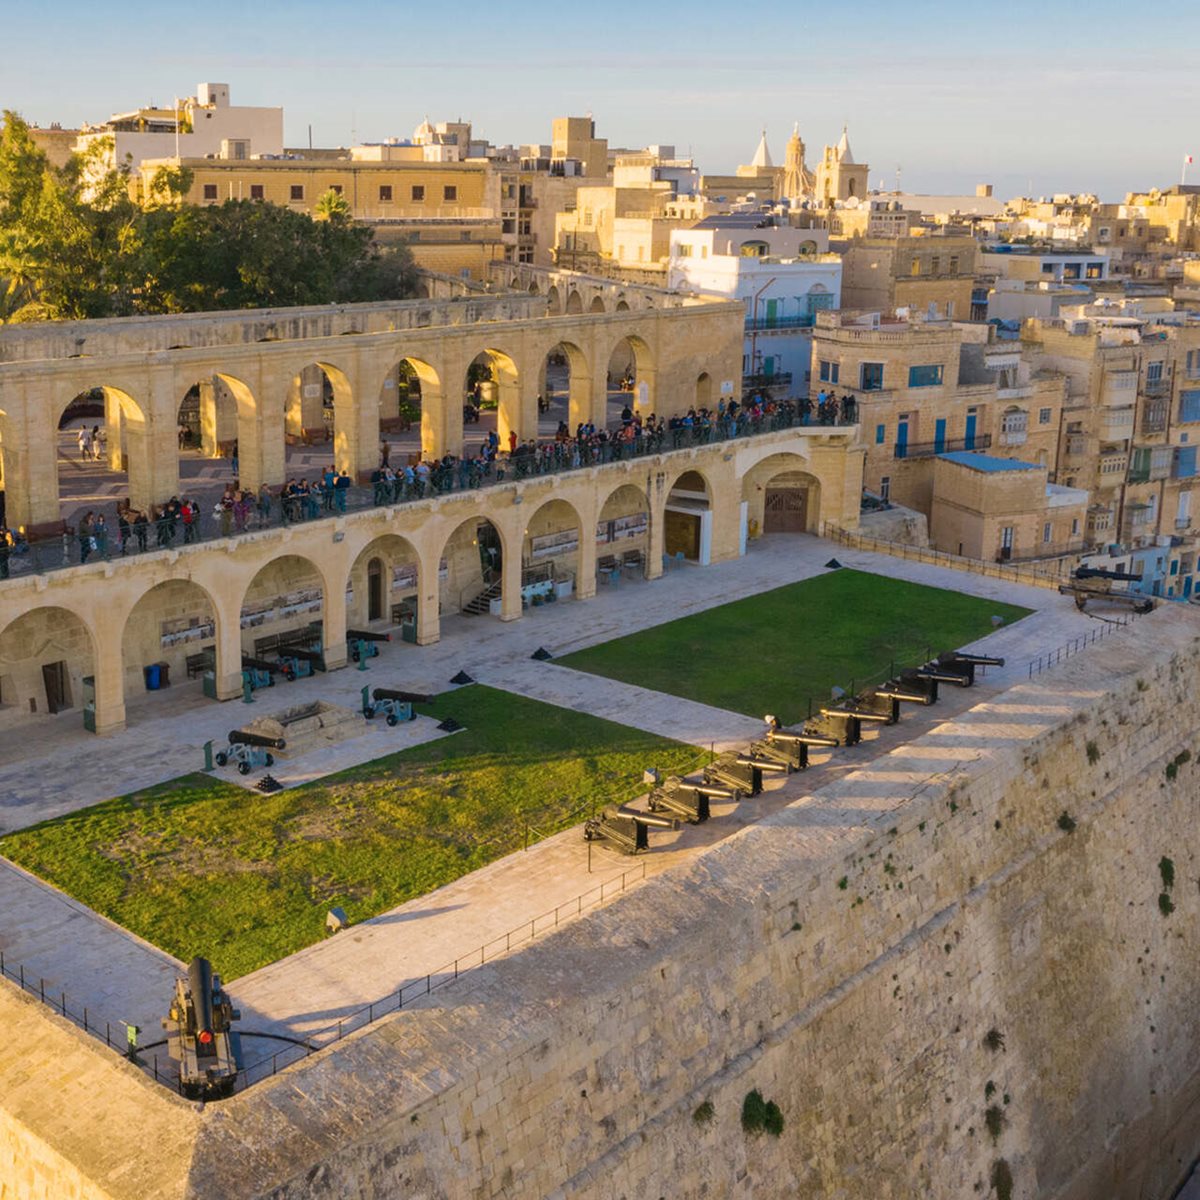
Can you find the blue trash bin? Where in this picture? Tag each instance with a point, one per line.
(153, 674)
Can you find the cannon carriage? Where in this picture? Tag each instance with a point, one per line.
(249, 751)
(200, 1035)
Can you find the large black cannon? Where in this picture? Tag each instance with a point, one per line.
(199, 1027)
(260, 672)
(363, 643)
(912, 680)
(848, 718)
(892, 694)
(789, 747)
(394, 704)
(966, 664)
(249, 751)
(626, 828)
(690, 801)
(742, 771)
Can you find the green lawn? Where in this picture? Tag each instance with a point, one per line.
(199, 866)
(770, 652)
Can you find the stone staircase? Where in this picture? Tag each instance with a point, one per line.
(482, 603)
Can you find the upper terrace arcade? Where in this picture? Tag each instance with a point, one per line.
(260, 375)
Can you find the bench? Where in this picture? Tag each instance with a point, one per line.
(197, 664)
(632, 561)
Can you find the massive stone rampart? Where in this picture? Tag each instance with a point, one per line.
(972, 922)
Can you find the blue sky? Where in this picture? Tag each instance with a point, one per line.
(1065, 95)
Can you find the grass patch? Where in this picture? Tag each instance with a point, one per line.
(200, 866)
(770, 652)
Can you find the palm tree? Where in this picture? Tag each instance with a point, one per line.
(332, 206)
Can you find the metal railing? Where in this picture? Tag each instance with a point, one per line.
(552, 458)
(980, 441)
(1060, 654)
(765, 324)
(1045, 575)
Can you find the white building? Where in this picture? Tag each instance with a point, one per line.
(203, 126)
(784, 276)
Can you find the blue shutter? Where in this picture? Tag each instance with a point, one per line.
(1185, 462)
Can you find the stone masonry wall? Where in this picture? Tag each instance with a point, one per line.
(848, 957)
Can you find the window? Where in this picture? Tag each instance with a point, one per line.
(930, 376)
(1047, 268)
(1074, 526)
(1047, 529)
(210, 191)
(683, 250)
(1193, 363)
(916, 266)
(1014, 426)
(1044, 415)
(256, 191)
(1095, 270)
(449, 192)
(418, 193)
(1185, 462)
(885, 488)
(871, 377)
(936, 264)
(336, 188)
(1154, 372)
(828, 371)
(297, 191)
(880, 434)
(385, 192)
(1189, 405)
(465, 236)
(954, 264)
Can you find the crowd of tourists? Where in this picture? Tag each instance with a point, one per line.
(186, 520)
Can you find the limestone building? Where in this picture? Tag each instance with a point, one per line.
(931, 275)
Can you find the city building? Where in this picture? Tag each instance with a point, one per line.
(782, 274)
(930, 274)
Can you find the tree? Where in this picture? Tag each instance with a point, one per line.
(332, 206)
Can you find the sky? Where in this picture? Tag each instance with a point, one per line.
(1033, 96)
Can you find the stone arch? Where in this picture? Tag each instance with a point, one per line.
(623, 526)
(126, 465)
(597, 304)
(474, 553)
(631, 373)
(372, 597)
(553, 301)
(574, 302)
(704, 391)
(782, 495)
(171, 622)
(217, 416)
(534, 290)
(501, 387)
(622, 305)
(551, 549)
(286, 595)
(45, 655)
(577, 392)
(412, 394)
(687, 517)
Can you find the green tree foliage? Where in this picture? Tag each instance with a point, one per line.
(74, 244)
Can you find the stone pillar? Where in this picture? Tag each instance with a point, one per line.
(260, 422)
(333, 616)
(209, 438)
(657, 539)
(153, 441)
(110, 680)
(113, 433)
(645, 392)
(517, 411)
(441, 410)
(595, 396)
(510, 580)
(228, 650)
(429, 626)
(355, 427)
(31, 472)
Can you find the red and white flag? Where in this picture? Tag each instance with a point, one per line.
(1187, 158)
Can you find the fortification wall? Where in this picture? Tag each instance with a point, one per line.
(847, 957)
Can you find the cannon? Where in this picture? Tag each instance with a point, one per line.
(690, 801)
(364, 644)
(1096, 583)
(741, 771)
(850, 717)
(393, 704)
(259, 672)
(626, 828)
(200, 1033)
(789, 747)
(298, 663)
(965, 664)
(945, 673)
(911, 680)
(249, 751)
(888, 698)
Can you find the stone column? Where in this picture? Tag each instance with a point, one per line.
(510, 580)
(113, 415)
(31, 464)
(228, 649)
(333, 615)
(110, 677)
(656, 498)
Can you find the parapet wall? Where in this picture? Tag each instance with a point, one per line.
(871, 959)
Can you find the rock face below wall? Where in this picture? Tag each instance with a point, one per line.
(950, 965)
(896, 524)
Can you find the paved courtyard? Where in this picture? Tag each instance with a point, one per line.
(118, 977)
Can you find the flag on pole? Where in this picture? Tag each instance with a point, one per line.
(1187, 158)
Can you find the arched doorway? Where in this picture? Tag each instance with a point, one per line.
(631, 378)
(623, 533)
(550, 554)
(471, 569)
(174, 623)
(704, 389)
(782, 496)
(687, 519)
(566, 389)
(384, 585)
(574, 303)
(217, 442)
(411, 412)
(283, 607)
(47, 662)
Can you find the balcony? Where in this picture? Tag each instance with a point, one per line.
(1076, 447)
(981, 441)
(1044, 550)
(1014, 393)
(1120, 387)
(1154, 417)
(1156, 387)
(767, 324)
(781, 379)
(1014, 437)
(1111, 469)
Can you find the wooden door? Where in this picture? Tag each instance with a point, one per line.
(785, 510)
(58, 693)
(374, 590)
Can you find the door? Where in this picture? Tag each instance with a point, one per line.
(785, 510)
(374, 590)
(489, 551)
(1006, 543)
(772, 313)
(681, 531)
(969, 440)
(902, 437)
(58, 691)
(939, 436)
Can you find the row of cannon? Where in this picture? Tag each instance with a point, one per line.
(738, 774)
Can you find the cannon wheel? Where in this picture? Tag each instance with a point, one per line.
(369, 712)
(243, 768)
(289, 674)
(270, 760)
(391, 718)
(222, 758)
